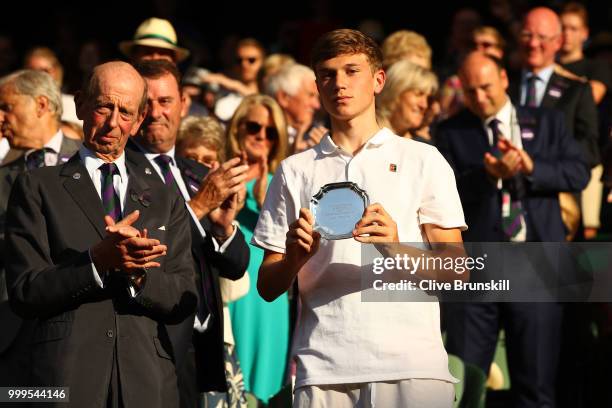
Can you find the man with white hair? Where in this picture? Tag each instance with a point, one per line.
(30, 112)
(295, 90)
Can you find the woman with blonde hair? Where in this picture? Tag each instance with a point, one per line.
(404, 100)
(258, 133)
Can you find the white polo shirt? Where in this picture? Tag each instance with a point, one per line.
(341, 339)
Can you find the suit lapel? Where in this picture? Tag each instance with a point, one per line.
(14, 169)
(81, 188)
(529, 125)
(190, 178)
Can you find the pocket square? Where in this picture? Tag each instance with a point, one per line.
(162, 228)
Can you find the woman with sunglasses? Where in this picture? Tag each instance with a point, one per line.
(258, 133)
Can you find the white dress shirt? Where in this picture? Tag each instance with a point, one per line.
(4, 148)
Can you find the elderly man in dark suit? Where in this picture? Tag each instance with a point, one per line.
(219, 247)
(509, 158)
(30, 112)
(101, 288)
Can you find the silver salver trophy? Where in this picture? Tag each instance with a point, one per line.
(337, 207)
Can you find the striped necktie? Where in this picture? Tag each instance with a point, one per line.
(164, 161)
(110, 199)
(36, 159)
(531, 99)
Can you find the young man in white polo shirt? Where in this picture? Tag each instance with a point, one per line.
(353, 353)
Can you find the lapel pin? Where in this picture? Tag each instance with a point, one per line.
(393, 167)
(147, 171)
(76, 176)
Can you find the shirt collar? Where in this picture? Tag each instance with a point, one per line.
(503, 115)
(543, 74)
(329, 147)
(54, 144)
(93, 162)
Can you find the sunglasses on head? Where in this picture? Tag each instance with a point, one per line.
(250, 60)
(253, 128)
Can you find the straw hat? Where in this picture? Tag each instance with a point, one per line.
(155, 32)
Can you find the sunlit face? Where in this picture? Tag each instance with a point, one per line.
(17, 118)
(574, 32)
(540, 39)
(484, 87)
(347, 85)
(200, 153)
(110, 116)
(248, 60)
(257, 133)
(301, 107)
(165, 108)
(40, 63)
(410, 111)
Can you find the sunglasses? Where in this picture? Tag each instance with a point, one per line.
(253, 128)
(250, 60)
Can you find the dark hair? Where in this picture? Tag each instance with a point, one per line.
(346, 41)
(155, 69)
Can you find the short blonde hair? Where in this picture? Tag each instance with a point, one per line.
(405, 43)
(401, 77)
(279, 150)
(202, 131)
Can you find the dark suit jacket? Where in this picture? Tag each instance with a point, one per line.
(54, 217)
(200, 363)
(10, 322)
(575, 100)
(559, 165)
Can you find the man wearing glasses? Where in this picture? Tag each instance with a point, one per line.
(543, 83)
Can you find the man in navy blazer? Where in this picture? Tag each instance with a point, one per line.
(533, 160)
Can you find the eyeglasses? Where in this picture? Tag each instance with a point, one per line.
(485, 44)
(250, 60)
(253, 128)
(527, 36)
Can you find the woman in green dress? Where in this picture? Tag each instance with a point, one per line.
(258, 132)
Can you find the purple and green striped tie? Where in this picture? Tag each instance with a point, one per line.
(110, 199)
(164, 161)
